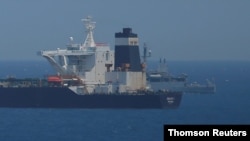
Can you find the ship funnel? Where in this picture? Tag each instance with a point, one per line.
(127, 50)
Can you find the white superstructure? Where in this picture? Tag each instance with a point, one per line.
(92, 64)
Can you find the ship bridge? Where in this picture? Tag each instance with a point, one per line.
(88, 60)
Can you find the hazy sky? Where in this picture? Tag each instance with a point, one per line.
(174, 29)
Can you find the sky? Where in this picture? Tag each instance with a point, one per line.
(173, 29)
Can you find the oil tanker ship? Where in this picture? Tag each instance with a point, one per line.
(90, 75)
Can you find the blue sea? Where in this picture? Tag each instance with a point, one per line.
(230, 105)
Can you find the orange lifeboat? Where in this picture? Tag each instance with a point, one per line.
(54, 79)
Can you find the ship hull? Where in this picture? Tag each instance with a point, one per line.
(62, 97)
(182, 87)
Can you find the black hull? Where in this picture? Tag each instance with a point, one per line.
(59, 97)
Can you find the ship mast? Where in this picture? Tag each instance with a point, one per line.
(163, 66)
(90, 25)
(146, 53)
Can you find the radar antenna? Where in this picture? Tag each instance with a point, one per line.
(90, 25)
(71, 40)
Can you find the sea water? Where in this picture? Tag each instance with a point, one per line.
(229, 105)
